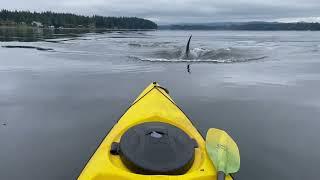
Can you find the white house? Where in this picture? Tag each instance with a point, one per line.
(37, 24)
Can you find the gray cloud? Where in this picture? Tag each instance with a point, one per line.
(170, 11)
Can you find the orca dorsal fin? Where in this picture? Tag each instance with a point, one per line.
(188, 46)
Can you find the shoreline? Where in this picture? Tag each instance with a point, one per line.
(159, 29)
(84, 28)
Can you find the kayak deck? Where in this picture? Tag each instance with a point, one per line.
(152, 105)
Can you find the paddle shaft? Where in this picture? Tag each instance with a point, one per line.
(221, 175)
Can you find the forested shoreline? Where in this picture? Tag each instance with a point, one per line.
(248, 26)
(67, 20)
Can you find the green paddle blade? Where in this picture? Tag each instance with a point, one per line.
(223, 151)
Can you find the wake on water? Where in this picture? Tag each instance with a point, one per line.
(172, 53)
(201, 55)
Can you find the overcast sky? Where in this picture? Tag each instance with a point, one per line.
(181, 11)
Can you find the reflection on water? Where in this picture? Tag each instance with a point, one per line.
(29, 34)
(38, 34)
(189, 69)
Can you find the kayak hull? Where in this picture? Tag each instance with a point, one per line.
(153, 105)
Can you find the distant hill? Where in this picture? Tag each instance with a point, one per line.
(256, 26)
(67, 20)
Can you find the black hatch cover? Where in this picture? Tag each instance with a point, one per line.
(156, 148)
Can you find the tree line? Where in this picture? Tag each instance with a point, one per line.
(68, 20)
(255, 26)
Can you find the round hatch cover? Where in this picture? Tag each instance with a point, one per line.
(157, 148)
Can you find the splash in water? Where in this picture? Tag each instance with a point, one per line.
(199, 55)
(202, 55)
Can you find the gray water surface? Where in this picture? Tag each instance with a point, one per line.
(61, 92)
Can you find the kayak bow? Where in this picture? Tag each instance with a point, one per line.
(154, 139)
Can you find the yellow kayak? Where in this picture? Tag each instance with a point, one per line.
(153, 140)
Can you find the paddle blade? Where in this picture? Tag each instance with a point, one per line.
(223, 151)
